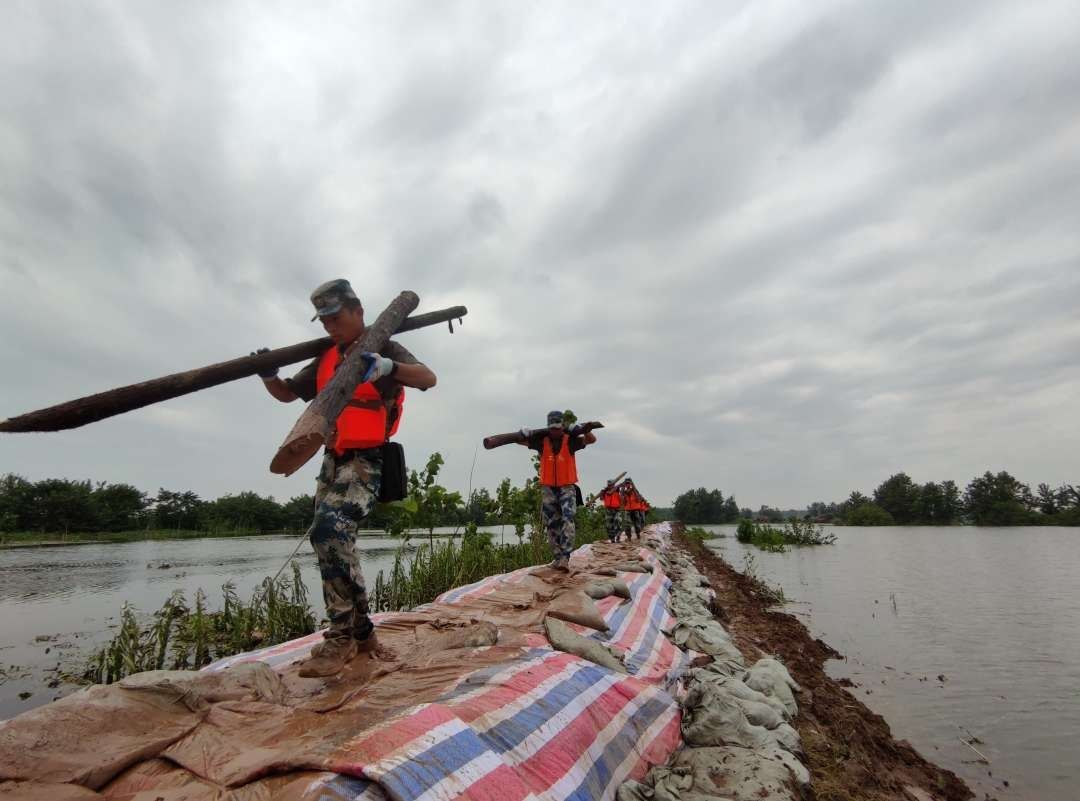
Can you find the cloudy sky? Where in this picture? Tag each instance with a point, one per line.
(780, 248)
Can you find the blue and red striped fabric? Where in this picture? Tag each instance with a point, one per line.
(544, 725)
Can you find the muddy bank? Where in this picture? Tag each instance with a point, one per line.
(849, 750)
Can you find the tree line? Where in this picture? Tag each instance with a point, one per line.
(992, 499)
(56, 505)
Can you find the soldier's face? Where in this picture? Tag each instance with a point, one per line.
(345, 326)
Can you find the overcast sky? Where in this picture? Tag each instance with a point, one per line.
(780, 248)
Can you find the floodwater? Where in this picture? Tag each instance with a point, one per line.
(58, 604)
(952, 633)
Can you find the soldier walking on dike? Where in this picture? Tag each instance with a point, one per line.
(558, 481)
(350, 477)
(612, 506)
(636, 507)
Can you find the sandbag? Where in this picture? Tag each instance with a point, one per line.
(574, 606)
(769, 676)
(712, 717)
(705, 636)
(603, 589)
(739, 774)
(632, 567)
(743, 693)
(564, 638)
(247, 681)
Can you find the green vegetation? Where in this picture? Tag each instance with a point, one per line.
(793, 533)
(181, 636)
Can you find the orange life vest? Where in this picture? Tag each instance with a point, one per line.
(557, 469)
(611, 499)
(365, 421)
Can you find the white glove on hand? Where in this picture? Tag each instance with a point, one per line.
(526, 432)
(378, 367)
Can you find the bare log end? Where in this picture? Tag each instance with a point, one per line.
(295, 453)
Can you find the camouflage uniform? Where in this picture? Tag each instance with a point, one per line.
(558, 509)
(614, 525)
(346, 492)
(637, 520)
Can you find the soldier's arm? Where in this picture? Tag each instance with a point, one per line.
(409, 371)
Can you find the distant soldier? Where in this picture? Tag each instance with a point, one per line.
(610, 497)
(348, 484)
(636, 507)
(558, 480)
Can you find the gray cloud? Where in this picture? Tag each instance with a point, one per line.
(783, 249)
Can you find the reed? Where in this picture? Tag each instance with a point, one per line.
(180, 636)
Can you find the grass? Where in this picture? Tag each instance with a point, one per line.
(181, 636)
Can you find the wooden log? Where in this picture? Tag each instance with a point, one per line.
(102, 405)
(316, 425)
(498, 440)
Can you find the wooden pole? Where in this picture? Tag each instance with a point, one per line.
(92, 408)
(316, 424)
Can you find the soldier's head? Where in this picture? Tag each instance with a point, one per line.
(555, 423)
(339, 310)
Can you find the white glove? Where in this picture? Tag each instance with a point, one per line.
(526, 432)
(378, 367)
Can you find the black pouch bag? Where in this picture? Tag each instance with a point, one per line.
(395, 479)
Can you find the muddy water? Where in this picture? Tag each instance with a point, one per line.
(58, 603)
(950, 633)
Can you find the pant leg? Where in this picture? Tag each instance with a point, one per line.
(612, 523)
(568, 508)
(346, 492)
(551, 513)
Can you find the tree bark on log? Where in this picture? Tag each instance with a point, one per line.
(102, 405)
(316, 424)
(498, 440)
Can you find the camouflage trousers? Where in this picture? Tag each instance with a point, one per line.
(559, 504)
(345, 493)
(637, 521)
(614, 523)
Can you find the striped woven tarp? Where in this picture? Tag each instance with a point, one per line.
(544, 725)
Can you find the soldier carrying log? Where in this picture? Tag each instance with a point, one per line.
(612, 500)
(349, 480)
(558, 476)
(636, 506)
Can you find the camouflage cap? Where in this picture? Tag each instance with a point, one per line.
(328, 298)
(555, 418)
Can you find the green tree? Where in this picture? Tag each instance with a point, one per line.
(998, 500)
(899, 496)
(176, 510)
(118, 507)
(704, 506)
(16, 494)
(61, 505)
(298, 512)
(869, 514)
(1048, 500)
(243, 511)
